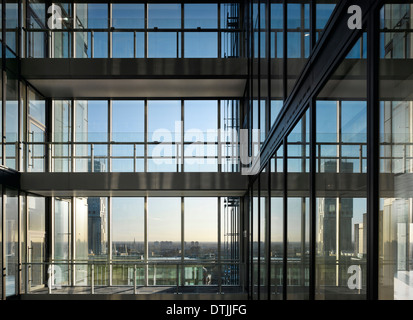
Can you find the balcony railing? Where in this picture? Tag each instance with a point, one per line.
(175, 276)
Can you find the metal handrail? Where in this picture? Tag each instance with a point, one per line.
(91, 265)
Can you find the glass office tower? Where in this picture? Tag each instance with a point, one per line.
(256, 149)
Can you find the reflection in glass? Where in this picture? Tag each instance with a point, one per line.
(62, 239)
(298, 40)
(12, 122)
(91, 125)
(62, 134)
(298, 211)
(396, 165)
(341, 208)
(11, 241)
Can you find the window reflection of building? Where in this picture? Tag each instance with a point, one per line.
(97, 215)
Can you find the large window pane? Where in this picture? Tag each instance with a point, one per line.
(81, 241)
(201, 240)
(128, 15)
(164, 131)
(164, 240)
(201, 45)
(201, 127)
(164, 44)
(62, 135)
(91, 126)
(164, 16)
(201, 16)
(128, 245)
(62, 239)
(12, 122)
(37, 132)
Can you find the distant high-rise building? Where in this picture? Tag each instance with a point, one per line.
(97, 226)
(331, 208)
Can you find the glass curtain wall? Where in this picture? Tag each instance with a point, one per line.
(140, 136)
(298, 183)
(164, 241)
(129, 30)
(396, 115)
(341, 209)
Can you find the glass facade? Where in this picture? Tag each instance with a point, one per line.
(295, 185)
(395, 108)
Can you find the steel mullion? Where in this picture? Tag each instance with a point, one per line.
(313, 194)
(373, 154)
(285, 216)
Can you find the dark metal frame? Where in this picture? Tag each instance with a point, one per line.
(326, 56)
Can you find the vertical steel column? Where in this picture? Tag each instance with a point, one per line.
(19, 242)
(4, 82)
(182, 244)
(259, 141)
(146, 32)
(259, 238)
(145, 233)
(110, 246)
(219, 136)
(219, 261)
(180, 147)
(110, 29)
(145, 160)
(373, 153)
(3, 241)
(74, 13)
(73, 135)
(219, 31)
(182, 34)
(49, 230)
(19, 152)
(285, 216)
(313, 30)
(313, 207)
(109, 137)
(313, 161)
(251, 241)
(267, 128)
(285, 66)
(73, 240)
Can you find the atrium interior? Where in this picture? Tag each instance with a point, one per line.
(230, 150)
